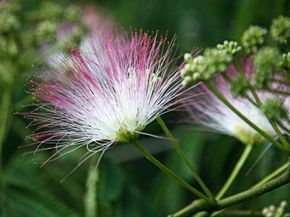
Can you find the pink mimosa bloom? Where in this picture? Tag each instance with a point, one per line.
(210, 112)
(107, 95)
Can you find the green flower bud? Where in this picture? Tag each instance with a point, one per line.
(191, 71)
(231, 47)
(187, 81)
(274, 109)
(187, 57)
(46, 32)
(196, 67)
(239, 86)
(185, 71)
(253, 38)
(266, 62)
(280, 29)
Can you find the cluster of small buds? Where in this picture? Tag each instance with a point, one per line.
(272, 211)
(231, 47)
(280, 29)
(204, 67)
(253, 77)
(215, 61)
(253, 38)
(266, 62)
(274, 109)
(190, 72)
(267, 68)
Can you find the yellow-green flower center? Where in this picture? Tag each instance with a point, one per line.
(247, 136)
(125, 136)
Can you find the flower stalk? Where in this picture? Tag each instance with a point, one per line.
(4, 112)
(235, 172)
(273, 174)
(183, 156)
(91, 196)
(169, 172)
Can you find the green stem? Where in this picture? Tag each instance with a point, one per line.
(90, 197)
(273, 174)
(202, 214)
(241, 213)
(255, 192)
(193, 208)
(216, 92)
(201, 205)
(280, 135)
(4, 112)
(4, 117)
(183, 156)
(169, 172)
(282, 126)
(235, 172)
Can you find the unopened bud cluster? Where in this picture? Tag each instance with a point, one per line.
(253, 76)
(231, 47)
(204, 67)
(273, 211)
(259, 46)
(253, 38)
(266, 63)
(280, 29)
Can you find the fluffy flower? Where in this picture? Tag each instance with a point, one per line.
(106, 96)
(210, 112)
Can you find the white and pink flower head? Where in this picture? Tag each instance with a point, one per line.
(106, 96)
(209, 111)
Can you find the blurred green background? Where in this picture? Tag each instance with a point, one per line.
(129, 186)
